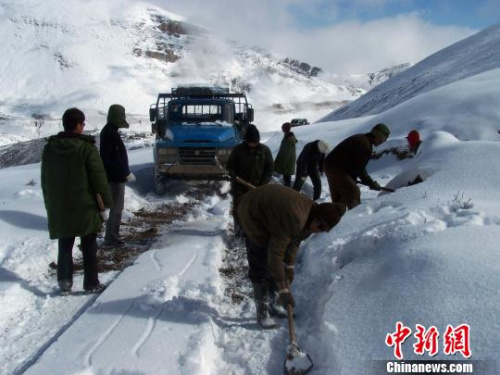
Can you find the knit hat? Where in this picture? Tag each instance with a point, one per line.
(323, 146)
(286, 127)
(381, 131)
(330, 213)
(252, 134)
(413, 138)
(116, 116)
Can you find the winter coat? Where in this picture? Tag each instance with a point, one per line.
(254, 165)
(309, 159)
(285, 160)
(72, 174)
(114, 154)
(275, 217)
(352, 156)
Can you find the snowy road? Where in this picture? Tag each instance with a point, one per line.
(168, 314)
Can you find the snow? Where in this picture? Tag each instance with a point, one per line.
(424, 255)
(95, 53)
(471, 56)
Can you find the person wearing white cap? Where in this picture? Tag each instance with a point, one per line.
(310, 163)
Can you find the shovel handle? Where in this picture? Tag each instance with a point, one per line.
(383, 188)
(246, 183)
(291, 326)
(100, 202)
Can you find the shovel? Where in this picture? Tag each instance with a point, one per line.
(246, 183)
(382, 188)
(297, 362)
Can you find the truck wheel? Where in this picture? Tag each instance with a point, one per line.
(160, 186)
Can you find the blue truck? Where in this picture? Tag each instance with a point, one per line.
(195, 129)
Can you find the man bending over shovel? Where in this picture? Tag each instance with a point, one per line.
(347, 162)
(276, 219)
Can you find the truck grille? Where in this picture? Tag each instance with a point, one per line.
(197, 156)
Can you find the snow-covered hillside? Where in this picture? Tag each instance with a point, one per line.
(425, 255)
(473, 55)
(91, 54)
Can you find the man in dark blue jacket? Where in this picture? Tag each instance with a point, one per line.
(115, 160)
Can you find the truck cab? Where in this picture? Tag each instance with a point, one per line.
(196, 128)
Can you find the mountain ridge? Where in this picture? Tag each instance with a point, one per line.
(470, 56)
(127, 54)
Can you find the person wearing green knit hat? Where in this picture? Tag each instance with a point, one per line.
(347, 163)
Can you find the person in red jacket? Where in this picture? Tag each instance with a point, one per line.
(414, 141)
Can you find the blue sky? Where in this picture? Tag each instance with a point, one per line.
(476, 14)
(342, 36)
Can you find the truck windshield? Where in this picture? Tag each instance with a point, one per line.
(196, 113)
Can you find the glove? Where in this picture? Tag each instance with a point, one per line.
(286, 298)
(289, 274)
(104, 214)
(131, 177)
(375, 186)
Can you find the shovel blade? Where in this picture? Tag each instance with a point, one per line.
(297, 362)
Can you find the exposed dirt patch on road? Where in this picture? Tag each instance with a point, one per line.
(234, 269)
(139, 235)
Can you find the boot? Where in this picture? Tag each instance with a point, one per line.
(275, 307)
(65, 287)
(261, 297)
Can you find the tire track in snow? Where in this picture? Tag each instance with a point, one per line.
(148, 331)
(102, 339)
(188, 265)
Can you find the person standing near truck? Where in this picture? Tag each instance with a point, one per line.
(287, 154)
(74, 184)
(251, 161)
(115, 159)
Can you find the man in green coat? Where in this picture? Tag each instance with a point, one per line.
(276, 219)
(75, 193)
(253, 162)
(347, 163)
(284, 163)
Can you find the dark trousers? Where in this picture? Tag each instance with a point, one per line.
(315, 179)
(115, 213)
(343, 188)
(287, 180)
(65, 261)
(257, 265)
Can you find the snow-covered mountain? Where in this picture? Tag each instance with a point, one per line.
(91, 54)
(473, 55)
(425, 256)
